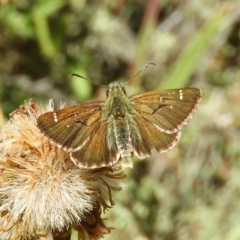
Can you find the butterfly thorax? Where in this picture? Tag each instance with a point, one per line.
(117, 104)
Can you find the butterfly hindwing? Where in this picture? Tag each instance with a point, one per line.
(96, 152)
(148, 137)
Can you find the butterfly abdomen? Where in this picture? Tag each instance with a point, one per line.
(123, 138)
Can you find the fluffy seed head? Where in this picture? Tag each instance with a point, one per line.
(41, 190)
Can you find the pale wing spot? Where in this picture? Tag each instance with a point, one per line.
(180, 95)
(171, 107)
(55, 117)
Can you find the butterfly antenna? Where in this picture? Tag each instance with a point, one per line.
(79, 76)
(143, 68)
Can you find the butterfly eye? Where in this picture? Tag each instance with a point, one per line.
(107, 92)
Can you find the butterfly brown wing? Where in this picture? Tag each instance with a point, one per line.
(145, 137)
(160, 115)
(79, 130)
(97, 152)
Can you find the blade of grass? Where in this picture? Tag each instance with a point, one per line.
(40, 14)
(147, 28)
(180, 73)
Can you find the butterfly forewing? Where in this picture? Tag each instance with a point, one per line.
(72, 128)
(80, 131)
(168, 110)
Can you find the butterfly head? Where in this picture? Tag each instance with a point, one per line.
(115, 89)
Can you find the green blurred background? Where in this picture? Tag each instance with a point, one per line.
(191, 192)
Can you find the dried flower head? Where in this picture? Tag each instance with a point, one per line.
(41, 191)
